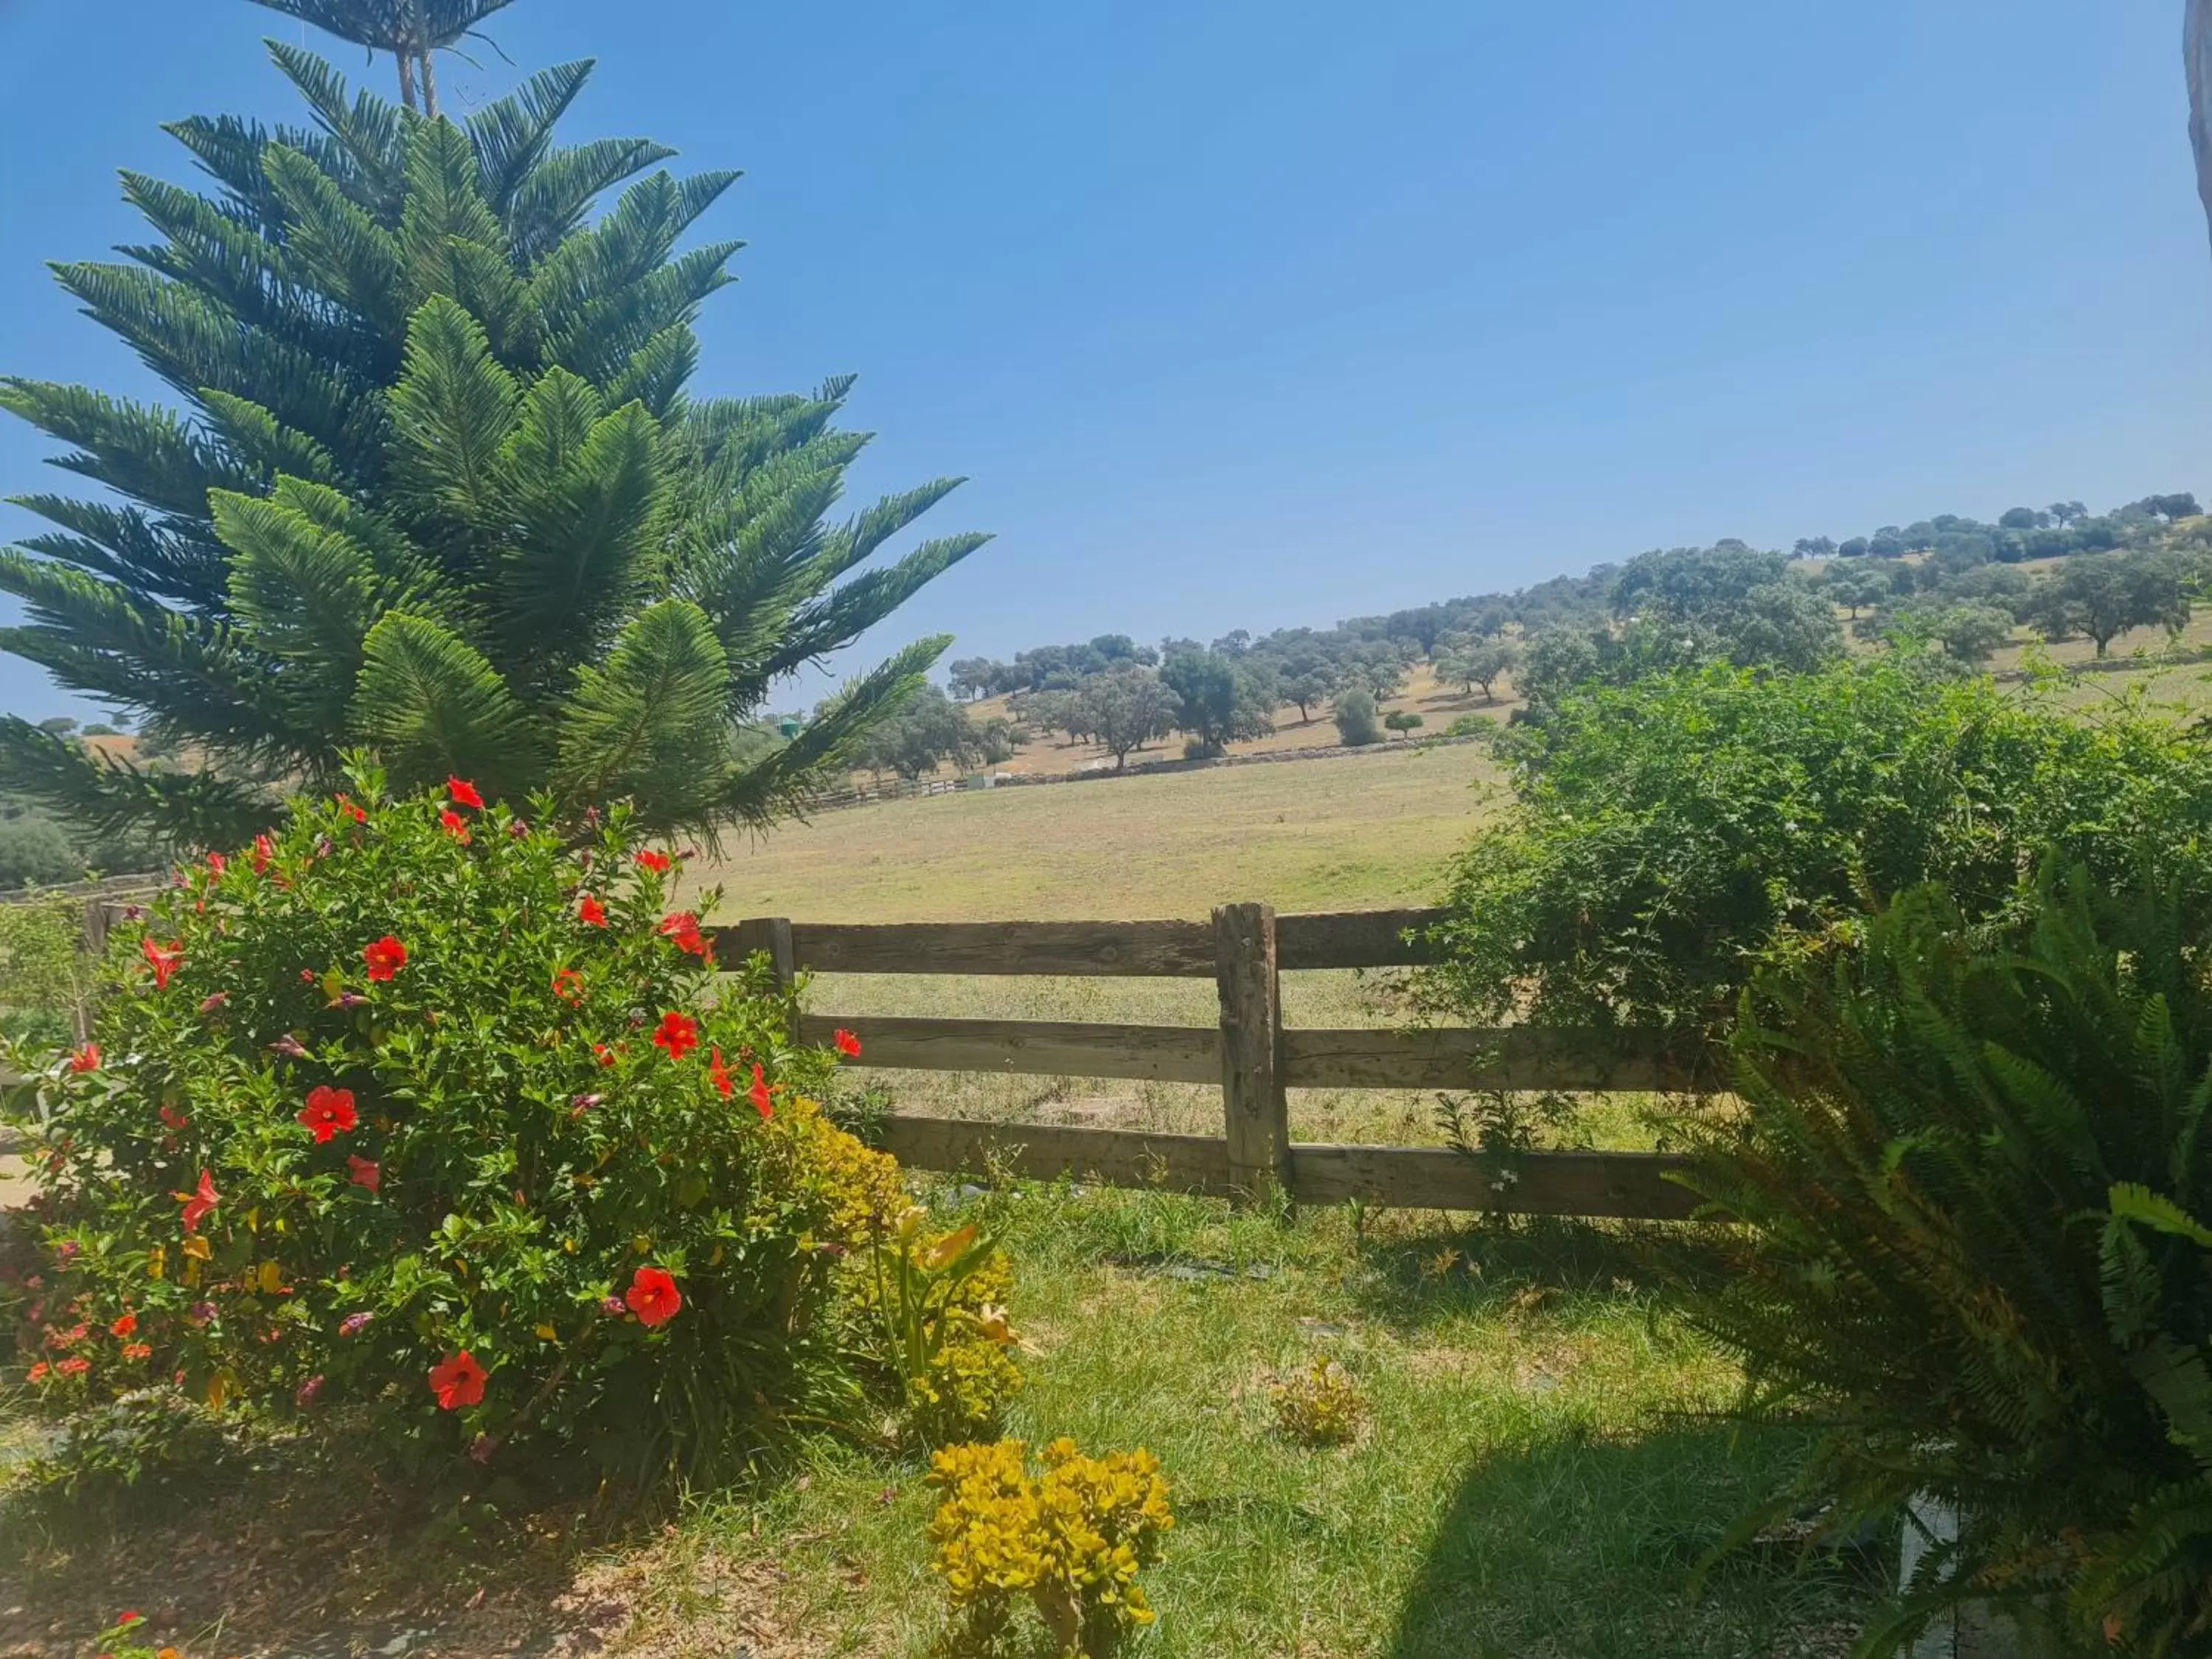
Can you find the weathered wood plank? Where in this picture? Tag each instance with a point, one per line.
(1256, 1111)
(1354, 939)
(1181, 949)
(1631, 1185)
(1119, 1158)
(1510, 1058)
(1165, 1053)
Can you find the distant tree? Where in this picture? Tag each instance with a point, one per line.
(1306, 683)
(1854, 548)
(60, 726)
(997, 738)
(1126, 709)
(1379, 666)
(930, 730)
(1814, 547)
(1967, 633)
(975, 677)
(1853, 586)
(1479, 662)
(1204, 684)
(1403, 720)
(101, 729)
(2103, 595)
(1489, 623)
(2067, 513)
(2022, 517)
(1355, 716)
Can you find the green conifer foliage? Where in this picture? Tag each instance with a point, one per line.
(436, 486)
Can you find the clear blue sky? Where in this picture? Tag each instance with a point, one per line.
(1248, 314)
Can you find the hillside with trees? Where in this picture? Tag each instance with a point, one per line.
(1956, 589)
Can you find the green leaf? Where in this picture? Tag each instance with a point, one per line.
(434, 705)
(652, 723)
(451, 411)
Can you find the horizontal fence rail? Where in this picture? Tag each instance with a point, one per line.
(1250, 1055)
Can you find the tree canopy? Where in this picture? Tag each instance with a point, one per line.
(437, 486)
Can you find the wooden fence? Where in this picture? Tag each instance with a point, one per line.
(1253, 1057)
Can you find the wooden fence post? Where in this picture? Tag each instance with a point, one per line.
(1256, 1111)
(773, 935)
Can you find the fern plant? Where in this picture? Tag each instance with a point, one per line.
(438, 487)
(1976, 1187)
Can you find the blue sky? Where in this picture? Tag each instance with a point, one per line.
(1242, 314)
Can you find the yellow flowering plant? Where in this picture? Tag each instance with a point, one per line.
(1070, 1539)
(938, 1301)
(1321, 1406)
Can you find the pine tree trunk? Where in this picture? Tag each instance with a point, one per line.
(429, 86)
(406, 77)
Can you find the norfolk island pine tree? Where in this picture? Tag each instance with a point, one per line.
(438, 488)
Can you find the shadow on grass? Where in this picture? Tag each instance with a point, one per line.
(237, 1545)
(1588, 1547)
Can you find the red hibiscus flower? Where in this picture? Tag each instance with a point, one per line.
(265, 851)
(607, 1056)
(126, 1326)
(848, 1044)
(329, 1112)
(385, 958)
(568, 986)
(455, 825)
(464, 792)
(197, 1204)
(652, 1297)
(458, 1381)
(217, 864)
(173, 1118)
(347, 806)
(678, 1034)
(364, 1172)
(719, 1074)
(85, 1059)
(592, 913)
(655, 860)
(762, 1101)
(682, 927)
(163, 959)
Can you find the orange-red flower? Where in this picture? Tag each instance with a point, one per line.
(683, 929)
(76, 1365)
(458, 1381)
(364, 1172)
(464, 792)
(848, 1044)
(217, 864)
(455, 824)
(347, 806)
(652, 1297)
(136, 1351)
(38, 1373)
(655, 860)
(85, 1059)
(678, 1034)
(163, 959)
(592, 913)
(719, 1074)
(329, 1112)
(606, 1055)
(125, 1326)
(198, 1203)
(569, 985)
(762, 1101)
(264, 851)
(385, 958)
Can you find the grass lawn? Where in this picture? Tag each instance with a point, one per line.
(1542, 1470)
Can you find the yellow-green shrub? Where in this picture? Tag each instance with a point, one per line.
(1320, 1406)
(1070, 1539)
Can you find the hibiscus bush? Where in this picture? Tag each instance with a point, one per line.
(427, 1121)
